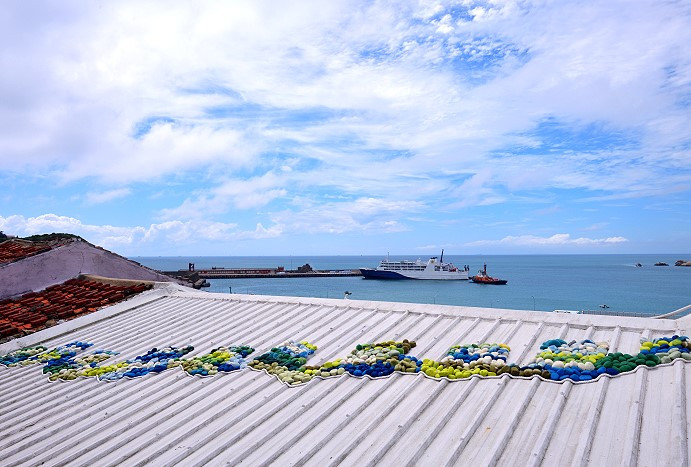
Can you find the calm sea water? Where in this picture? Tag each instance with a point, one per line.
(540, 282)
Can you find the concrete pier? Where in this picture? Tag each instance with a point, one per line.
(236, 274)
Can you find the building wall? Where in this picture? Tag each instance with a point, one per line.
(65, 262)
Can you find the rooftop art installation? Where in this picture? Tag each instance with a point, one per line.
(557, 361)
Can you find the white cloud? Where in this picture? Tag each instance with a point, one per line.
(241, 194)
(360, 215)
(262, 232)
(427, 247)
(47, 223)
(132, 238)
(556, 239)
(92, 198)
(596, 226)
(401, 103)
(137, 66)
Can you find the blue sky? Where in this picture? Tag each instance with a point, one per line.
(259, 128)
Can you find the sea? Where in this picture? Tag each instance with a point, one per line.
(535, 282)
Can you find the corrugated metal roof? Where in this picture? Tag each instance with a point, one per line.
(251, 418)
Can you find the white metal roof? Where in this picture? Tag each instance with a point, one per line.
(251, 418)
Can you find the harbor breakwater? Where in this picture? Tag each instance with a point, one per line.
(221, 274)
(536, 282)
(257, 273)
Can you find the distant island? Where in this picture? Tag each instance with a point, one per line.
(681, 262)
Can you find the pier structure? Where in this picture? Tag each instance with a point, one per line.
(259, 273)
(242, 274)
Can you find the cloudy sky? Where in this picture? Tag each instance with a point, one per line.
(262, 128)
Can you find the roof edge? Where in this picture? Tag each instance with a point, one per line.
(114, 281)
(577, 320)
(166, 289)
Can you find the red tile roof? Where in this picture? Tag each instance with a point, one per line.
(14, 250)
(37, 310)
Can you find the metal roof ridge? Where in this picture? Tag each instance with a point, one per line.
(452, 311)
(167, 289)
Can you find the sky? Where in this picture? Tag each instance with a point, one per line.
(347, 127)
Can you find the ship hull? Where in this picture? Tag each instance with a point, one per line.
(488, 282)
(413, 275)
(374, 274)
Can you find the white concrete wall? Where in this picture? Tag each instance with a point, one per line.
(65, 262)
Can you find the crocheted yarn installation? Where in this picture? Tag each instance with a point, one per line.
(558, 360)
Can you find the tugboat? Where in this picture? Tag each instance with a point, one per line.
(483, 278)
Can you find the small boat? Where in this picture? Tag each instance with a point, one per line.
(639, 265)
(573, 312)
(482, 278)
(433, 269)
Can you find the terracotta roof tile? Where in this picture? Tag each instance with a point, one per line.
(36, 310)
(13, 250)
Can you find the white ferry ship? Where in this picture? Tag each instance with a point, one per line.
(433, 269)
